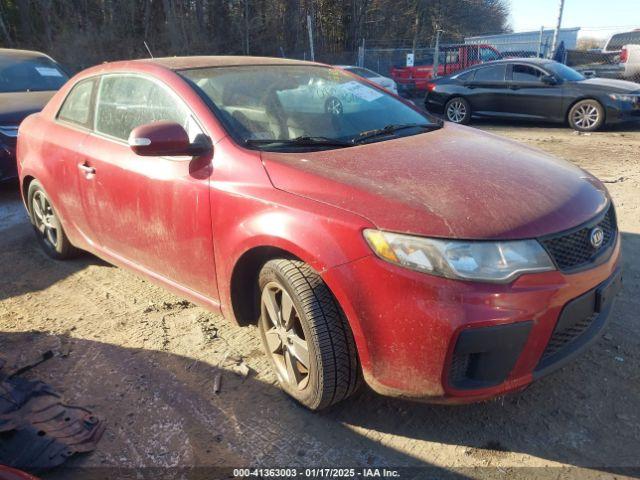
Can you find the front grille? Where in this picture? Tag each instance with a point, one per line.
(561, 338)
(459, 368)
(573, 250)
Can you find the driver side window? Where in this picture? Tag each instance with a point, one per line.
(526, 73)
(127, 101)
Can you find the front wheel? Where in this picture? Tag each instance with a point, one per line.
(47, 225)
(586, 116)
(306, 335)
(458, 110)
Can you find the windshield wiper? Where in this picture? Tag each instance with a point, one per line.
(303, 141)
(392, 128)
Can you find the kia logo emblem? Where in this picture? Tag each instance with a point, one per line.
(596, 237)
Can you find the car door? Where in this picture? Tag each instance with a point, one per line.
(64, 142)
(152, 212)
(530, 97)
(486, 90)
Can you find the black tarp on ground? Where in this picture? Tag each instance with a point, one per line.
(37, 430)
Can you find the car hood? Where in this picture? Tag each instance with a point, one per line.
(16, 106)
(610, 85)
(455, 182)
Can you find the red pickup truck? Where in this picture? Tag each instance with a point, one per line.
(452, 58)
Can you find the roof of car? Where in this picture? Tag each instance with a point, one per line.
(20, 54)
(181, 63)
(535, 61)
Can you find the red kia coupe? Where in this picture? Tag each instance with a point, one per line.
(363, 237)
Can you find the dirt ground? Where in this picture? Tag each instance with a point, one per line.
(146, 361)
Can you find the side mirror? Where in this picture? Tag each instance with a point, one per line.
(166, 139)
(549, 80)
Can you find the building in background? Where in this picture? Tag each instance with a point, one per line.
(532, 43)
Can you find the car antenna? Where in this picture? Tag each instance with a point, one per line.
(148, 49)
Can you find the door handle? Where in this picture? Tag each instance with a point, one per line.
(87, 170)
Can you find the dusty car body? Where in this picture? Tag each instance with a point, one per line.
(330, 233)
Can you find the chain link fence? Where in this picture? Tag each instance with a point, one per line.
(614, 57)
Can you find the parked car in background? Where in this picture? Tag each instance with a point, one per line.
(413, 80)
(617, 41)
(534, 89)
(440, 262)
(627, 45)
(372, 76)
(27, 81)
(619, 59)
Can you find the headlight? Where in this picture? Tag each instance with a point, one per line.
(485, 261)
(624, 98)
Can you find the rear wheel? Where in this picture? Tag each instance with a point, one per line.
(46, 224)
(458, 110)
(586, 116)
(305, 335)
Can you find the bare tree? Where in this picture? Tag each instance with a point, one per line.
(84, 32)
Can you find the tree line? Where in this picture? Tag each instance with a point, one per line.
(80, 33)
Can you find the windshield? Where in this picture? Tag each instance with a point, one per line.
(30, 75)
(565, 73)
(289, 102)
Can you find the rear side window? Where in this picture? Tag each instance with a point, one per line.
(466, 76)
(77, 106)
(495, 73)
(128, 101)
(621, 39)
(526, 73)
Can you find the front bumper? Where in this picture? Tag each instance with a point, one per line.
(433, 103)
(406, 88)
(441, 340)
(618, 112)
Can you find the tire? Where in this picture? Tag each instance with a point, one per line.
(458, 110)
(47, 225)
(586, 116)
(311, 317)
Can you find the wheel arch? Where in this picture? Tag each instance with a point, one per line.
(580, 99)
(24, 190)
(245, 305)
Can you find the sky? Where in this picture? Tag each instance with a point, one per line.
(598, 18)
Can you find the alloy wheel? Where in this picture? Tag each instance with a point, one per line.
(457, 111)
(285, 339)
(586, 116)
(45, 219)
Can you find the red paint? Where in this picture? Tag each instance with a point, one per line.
(160, 139)
(8, 473)
(455, 58)
(186, 223)
(624, 55)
